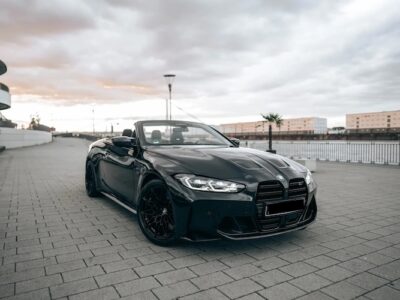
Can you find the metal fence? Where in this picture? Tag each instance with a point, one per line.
(379, 152)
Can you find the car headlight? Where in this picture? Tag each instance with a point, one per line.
(205, 184)
(309, 178)
(310, 181)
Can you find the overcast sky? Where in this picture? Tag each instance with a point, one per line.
(233, 59)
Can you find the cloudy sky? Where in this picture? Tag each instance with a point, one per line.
(233, 59)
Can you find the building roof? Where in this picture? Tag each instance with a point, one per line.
(3, 67)
(373, 112)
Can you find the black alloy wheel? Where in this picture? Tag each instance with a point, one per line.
(156, 214)
(90, 180)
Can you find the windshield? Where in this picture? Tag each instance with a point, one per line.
(171, 133)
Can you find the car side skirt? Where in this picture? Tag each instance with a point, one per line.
(111, 197)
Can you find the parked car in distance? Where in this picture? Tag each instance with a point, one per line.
(186, 180)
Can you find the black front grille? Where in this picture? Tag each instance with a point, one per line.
(283, 208)
(297, 188)
(269, 191)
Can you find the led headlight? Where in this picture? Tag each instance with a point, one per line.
(199, 183)
(309, 178)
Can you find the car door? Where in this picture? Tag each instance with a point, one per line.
(121, 169)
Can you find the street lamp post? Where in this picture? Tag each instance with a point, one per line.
(93, 118)
(169, 79)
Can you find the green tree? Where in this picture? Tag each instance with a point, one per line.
(272, 118)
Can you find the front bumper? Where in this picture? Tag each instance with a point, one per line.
(239, 219)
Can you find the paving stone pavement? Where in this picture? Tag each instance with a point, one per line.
(57, 243)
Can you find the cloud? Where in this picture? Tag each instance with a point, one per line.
(28, 19)
(233, 59)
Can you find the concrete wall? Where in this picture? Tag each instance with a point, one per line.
(16, 138)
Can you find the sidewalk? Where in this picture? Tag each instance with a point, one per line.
(56, 242)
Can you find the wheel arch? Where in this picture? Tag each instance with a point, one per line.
(148, 177)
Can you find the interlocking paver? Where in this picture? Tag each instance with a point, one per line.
(357, 265)
(211, 280)
(174, 291)
(240, 288)
(175, 276)
(121, 265)
(208, 267)
(36, 263)
(115, 277)
(384, 293)
(6, 290)
(64, 267)
(107, 293)
(252, 296)
(271, 278)
(10, 277)
(73, 256)
(82, 273)
(237, 260)
(51, 231)
(389, 271)
(310, 282)
(186, 261)
(153, 269)
(136, 286)
(102, 259)
(343, 290)
(243, 271)
(283, 291)
(211, 294)
(42, 294)
(335, 273)
(298, 269)
(322, 261)
(271, 263)
(316, 296)
(37, 283)
(367, 281)
(73, 287)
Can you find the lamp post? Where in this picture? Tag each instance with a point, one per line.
(169, 79)
(93, 118)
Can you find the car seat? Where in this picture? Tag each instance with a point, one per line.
(156, 137)
(177, 137)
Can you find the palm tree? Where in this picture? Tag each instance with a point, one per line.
(272, 118)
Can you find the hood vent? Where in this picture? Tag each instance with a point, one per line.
(246, 164)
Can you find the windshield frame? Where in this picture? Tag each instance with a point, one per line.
(140, 130)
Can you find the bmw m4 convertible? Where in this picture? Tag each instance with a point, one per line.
(186, 180)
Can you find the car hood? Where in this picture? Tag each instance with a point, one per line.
(239, 164)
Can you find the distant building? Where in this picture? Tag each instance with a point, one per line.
(298, 125)
(373, 120)
(337, 130)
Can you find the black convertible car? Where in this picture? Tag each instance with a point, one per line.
(187, 180)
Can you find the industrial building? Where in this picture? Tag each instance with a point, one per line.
(310, 125)
(373, 120)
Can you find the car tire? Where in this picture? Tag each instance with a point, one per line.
(90, 180)
(156, 214)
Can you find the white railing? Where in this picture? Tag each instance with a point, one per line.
(379, 152)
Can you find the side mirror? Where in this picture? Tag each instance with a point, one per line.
(124, 141)
(235, 141)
